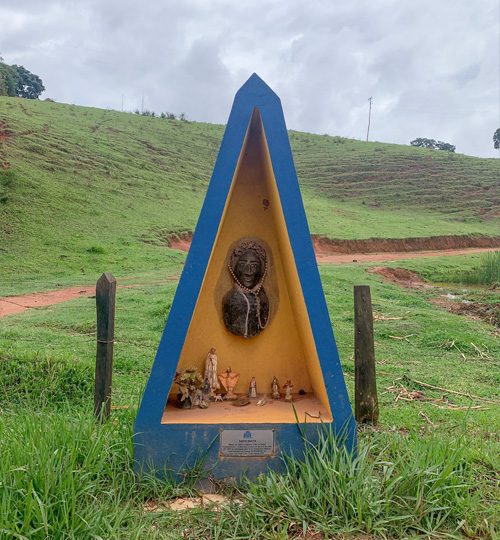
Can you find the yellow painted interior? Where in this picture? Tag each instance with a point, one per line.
(284, 349)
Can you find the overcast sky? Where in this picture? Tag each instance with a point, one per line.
(432, 66)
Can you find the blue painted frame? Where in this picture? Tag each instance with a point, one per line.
(172, 446)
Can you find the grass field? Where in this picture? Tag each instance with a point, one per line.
(451, 446)
(84, 189)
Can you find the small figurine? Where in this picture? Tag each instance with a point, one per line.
(205, 396)
(262, 401)
(275, 389)
(197, 397)
(189, 382)
(288, 387)
(211, 371)
(218, 397)
(229, 381)
(203, 404)
(183, 399)
(252, 390)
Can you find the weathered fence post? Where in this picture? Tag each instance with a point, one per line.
(105, 305)
(365, 382)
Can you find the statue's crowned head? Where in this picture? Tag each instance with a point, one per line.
(248, 263)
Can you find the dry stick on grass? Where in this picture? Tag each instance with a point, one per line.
(481, 353)
(380, 317)
(456, 392)
(452, 407)
(425, 417)
(403, 338)
(441, 403)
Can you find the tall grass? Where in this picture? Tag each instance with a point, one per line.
(486, 273)
(64, 476)
(39, 379)
(395, 486)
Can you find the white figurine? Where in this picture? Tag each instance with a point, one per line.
(275, 389)
(288, 386)
(211, 371)
(252, 390)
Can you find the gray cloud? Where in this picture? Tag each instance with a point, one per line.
(432, 67)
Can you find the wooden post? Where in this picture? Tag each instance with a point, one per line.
(105, 304)
(365, 382)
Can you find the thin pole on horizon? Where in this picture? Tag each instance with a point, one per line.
(142, 103)
(370, 100)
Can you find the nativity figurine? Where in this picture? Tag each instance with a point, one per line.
(288, 387)
(229, 380)
(190, 386)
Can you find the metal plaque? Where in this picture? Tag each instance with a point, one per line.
(247, 443)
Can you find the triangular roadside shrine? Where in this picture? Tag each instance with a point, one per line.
(247, 366)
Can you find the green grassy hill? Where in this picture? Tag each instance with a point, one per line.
(81, 189)
(86, 190)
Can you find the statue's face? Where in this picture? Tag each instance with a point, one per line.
(248, 269)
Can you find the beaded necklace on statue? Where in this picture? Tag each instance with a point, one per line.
(255, 291)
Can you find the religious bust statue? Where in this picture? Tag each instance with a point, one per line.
(246, 306)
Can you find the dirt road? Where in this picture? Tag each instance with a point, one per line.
(17, 304)
(11, 305)
(344, 258)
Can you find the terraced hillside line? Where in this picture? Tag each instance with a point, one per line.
(325, 247)
(11, 305)
(84, 188)
(397, 176)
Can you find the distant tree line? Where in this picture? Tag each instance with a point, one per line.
(422, 142)
(168, 115)
(17, 81)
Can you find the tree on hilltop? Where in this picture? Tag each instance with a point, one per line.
(17, 81)
(447, 147)
(8, 79)
(496, 139)
(29, 85)
(422, 142)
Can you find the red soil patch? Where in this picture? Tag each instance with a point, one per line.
(181, 241)
(489, 313)
(400, 276)
(5, 133)
(18, 304)
(378, 249)
(326, 246)
(412, 280)
(342, 258)
(11, 305)
(327, 251)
